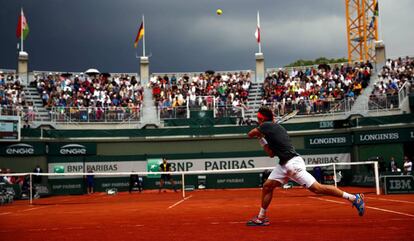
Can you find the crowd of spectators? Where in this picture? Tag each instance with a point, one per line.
(97, 97)
(12, 98)
(224, 91)
(102, 97)
(391, 79)
(315, 89)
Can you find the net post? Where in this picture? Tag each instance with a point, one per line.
(334, 176)
(183, 184)
(30, 189)
(376, 177)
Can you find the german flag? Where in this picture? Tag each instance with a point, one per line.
(139, 35)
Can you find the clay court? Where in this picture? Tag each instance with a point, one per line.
(220, 215)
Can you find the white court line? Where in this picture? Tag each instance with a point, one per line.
(182, 200)
(391, 211)
(369, 207)
(391, 200)
(31, 209)
(5, 213)
(328, 200)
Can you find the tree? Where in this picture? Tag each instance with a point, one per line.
(320, 60)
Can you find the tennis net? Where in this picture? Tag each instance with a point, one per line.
(33, 185)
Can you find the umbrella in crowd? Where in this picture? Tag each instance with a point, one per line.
(92, 72)
(210, 72)
(106, 74)
(325, 67)
(67, 74)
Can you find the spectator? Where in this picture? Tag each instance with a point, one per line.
(90, 181)
(37, 179)
(408, 165)
(135, 181)
(393, 165)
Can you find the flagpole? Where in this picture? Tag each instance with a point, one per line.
(143, 42)
(378, 23)
(258, 25)
(21, 29)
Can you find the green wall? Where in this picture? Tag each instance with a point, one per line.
(23, 164)
(382, 150)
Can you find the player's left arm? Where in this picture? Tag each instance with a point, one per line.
(255, 133)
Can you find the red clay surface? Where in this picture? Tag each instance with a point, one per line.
(295, 214)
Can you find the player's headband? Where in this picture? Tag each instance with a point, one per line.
(260, 116)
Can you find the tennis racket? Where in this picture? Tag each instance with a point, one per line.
(287, 117)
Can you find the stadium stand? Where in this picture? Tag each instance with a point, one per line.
(77, 97)
(13, 100)
(314, 90)
(225, 93)
(397, 75)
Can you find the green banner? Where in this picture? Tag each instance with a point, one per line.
(22, 149)
(201, 114)
(67, 186)
(384, 136)
(72, 149)
(398, 184)
(153, 166)
(328, 140)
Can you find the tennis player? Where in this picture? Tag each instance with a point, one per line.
(275, 141)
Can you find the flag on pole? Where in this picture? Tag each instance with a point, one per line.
(371, 24)
(257, 33)
(376, 13)
(139, 35)
(376, 9)
(22, 27)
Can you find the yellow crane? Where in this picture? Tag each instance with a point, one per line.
(362, 29)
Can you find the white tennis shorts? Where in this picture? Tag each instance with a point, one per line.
(295, 170)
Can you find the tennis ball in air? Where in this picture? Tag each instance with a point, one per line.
(219, 11)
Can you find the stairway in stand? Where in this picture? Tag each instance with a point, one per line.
(254, 100)
(42, 114)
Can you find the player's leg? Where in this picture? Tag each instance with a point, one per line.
(330, 190)
(275, 179)
(267, 194)
(297, 172)
(357, 200)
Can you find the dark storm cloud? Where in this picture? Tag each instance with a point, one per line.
(184, 35)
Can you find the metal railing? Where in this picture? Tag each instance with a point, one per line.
(183, 112)
(208, 103)
(383, 102)
(95, 114)
(191, 74)
(403, 92)
(313, 107)
(315, 66)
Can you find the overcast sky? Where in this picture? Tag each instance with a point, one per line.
(187, 35)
